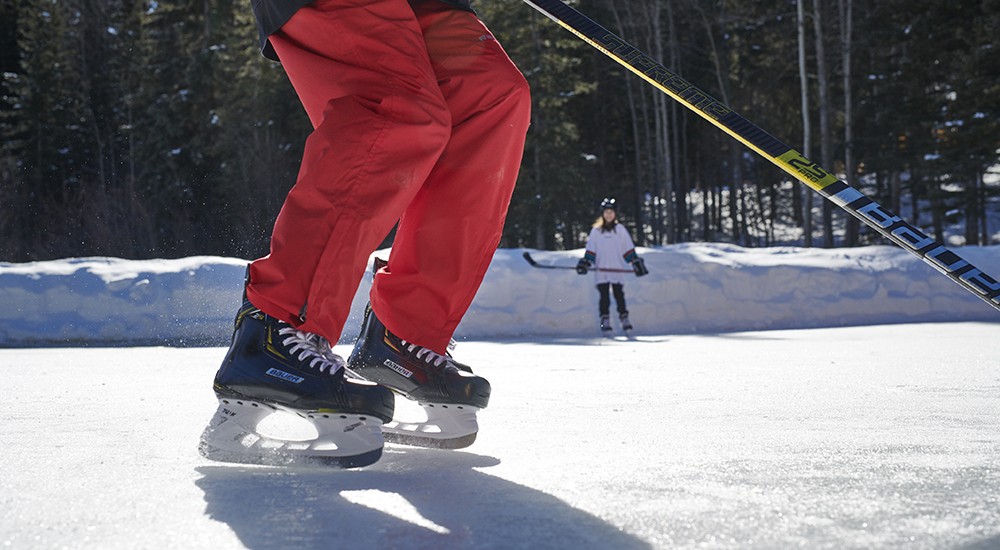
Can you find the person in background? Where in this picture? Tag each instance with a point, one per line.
(611, 254)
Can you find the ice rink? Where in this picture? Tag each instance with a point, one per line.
(865, 437)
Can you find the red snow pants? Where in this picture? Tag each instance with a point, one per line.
(419, 117)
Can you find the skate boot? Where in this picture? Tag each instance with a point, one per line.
(626, 324)
(448, 392)
(272, 366)
(606, 325)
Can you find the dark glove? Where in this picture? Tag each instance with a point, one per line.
(582, 266)
(639, 266)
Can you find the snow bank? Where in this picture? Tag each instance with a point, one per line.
(694, 287)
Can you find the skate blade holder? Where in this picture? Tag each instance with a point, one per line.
(445, 425)
(244, 430)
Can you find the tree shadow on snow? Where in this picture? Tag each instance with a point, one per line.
(412, 498)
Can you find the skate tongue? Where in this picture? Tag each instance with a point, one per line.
(312, 348)
(424, 354)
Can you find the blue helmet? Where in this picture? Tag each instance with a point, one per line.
(608, 202)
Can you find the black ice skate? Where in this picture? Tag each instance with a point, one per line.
(606, 325)
(271, 366)
(626, 324)
(446, 389)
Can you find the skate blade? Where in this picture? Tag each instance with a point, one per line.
(398, 438)
(342, 440)
(440, 426)
(278, 458)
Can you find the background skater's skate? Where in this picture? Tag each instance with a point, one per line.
(606, 330)
(626, 325)
(446, 389)
(270, 366)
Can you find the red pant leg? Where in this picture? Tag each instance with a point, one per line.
(450, 231)
(361, 70)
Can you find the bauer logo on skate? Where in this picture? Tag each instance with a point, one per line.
(284, 376)
(398, 368)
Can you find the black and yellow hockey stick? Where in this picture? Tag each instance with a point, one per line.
(843, 195)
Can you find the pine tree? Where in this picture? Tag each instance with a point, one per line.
(46, 130)
(551, 197)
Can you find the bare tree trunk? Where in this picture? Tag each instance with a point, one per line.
(539, 124)
(662, 160)
(707, 233)
(850, 170)
(806, 125)
(823, 86)
(937, 209)
(642, 137)
(679, 184)
(639, 143)
(736, 183)
(983, 218)
(895, 191)
(972, 210)
(735, 177)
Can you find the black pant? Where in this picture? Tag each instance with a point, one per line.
(604, 304)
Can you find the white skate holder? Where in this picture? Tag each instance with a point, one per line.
(234, 435)
(447, 425)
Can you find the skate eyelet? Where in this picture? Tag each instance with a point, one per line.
(362, 418)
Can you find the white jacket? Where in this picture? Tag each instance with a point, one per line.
(610, 250)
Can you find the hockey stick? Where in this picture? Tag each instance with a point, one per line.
(714, 111)
(527, 256)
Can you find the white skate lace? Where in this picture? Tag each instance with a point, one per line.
(424, 353)
(312, 348)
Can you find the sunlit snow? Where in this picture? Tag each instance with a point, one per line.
(691, 288)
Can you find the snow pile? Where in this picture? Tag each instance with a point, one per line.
(693, 287)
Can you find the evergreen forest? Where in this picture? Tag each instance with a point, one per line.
(154, 128)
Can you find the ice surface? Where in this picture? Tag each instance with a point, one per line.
(858, 437)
